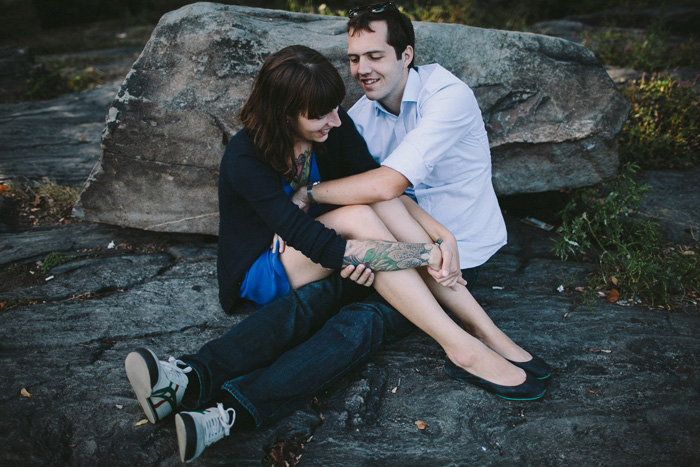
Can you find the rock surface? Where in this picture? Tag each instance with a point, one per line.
(57, 138)
(673, 202)
(166, 130)
(625, 386)
(625, 389)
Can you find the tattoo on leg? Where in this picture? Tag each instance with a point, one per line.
(386, 256)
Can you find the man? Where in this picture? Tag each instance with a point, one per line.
(424, 126)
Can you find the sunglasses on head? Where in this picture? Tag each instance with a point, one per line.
(374, 8)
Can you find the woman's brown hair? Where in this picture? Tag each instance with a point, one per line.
(295, 81)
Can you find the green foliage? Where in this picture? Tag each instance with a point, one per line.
(600, 223)
(52, 260)
(54, 78)
(43, 203)
(45, 82)
(663, 130)
(613, 47)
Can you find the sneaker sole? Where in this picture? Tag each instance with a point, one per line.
(186, 436)
(142, 371)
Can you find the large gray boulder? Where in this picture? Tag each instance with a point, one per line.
(551, 111)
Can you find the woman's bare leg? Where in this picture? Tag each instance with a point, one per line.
(460, 302)
(406, 291)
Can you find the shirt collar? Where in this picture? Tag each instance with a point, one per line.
(410, 92)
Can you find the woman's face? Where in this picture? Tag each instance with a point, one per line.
(316, 129)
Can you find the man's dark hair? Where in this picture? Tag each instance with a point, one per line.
(399, 28)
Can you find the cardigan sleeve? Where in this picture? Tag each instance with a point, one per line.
(260, 186)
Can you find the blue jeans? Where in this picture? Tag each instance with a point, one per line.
(277, 358)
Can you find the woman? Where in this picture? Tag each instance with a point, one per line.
(296, 134)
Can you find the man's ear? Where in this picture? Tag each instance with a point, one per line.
(407, 56)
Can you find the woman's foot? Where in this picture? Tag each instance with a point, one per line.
(481, 361)
(530, 389)
(535, 366)
(159, 385)
(500, 343)
(198, 429)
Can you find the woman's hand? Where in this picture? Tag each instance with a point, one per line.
(278, 244)
(300, 199)
(359, 274)
(448, 274)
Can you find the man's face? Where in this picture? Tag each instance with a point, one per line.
(373, 64)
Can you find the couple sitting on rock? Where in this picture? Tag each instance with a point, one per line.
(302, 195)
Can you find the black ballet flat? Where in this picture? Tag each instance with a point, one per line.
(535, 366)
(529, 390)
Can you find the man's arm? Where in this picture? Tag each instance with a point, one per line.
(380, 184)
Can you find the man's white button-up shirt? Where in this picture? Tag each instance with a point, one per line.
(439, 143)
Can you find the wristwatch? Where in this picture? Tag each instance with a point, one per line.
(309, 192)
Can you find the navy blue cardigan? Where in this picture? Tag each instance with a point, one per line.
(253, 207)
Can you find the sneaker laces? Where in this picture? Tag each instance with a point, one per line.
(174, 370)
(215, 424)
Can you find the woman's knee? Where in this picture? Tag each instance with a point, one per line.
(361, 222)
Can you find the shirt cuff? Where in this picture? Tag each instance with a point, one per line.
(409, 162)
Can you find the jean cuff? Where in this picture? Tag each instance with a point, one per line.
(244, 401)
(184, 404)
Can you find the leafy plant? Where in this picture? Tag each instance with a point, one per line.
(52, 260)
(648, 51)
(663, 130)
(43, 203)
(599, 224)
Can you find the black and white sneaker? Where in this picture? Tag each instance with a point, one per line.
(198, 429)
(159, 385)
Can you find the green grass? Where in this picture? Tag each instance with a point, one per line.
(663, 130)
(600, 224)
(52, 260)
(42, 203)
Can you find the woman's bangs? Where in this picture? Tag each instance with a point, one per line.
(326, 93)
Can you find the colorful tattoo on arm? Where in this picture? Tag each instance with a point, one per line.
(386, 256)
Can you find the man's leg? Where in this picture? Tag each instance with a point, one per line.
(258, 340)
(346, 340)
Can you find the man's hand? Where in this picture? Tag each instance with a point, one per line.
(300, 199)
(449, 274)
(359, 274)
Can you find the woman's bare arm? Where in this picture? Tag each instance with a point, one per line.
(380, 255)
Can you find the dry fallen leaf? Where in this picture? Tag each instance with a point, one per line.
(593, 391)
(421, 424)
(580, 289)
(4, 189)
(613, 296)
(141, 422)
(613, 279)
(119, 406)
(393, 391)
(25, 393)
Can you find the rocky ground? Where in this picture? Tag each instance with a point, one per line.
(625, 390)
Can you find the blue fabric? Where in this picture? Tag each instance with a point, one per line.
(266, 279)
(253, 207)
